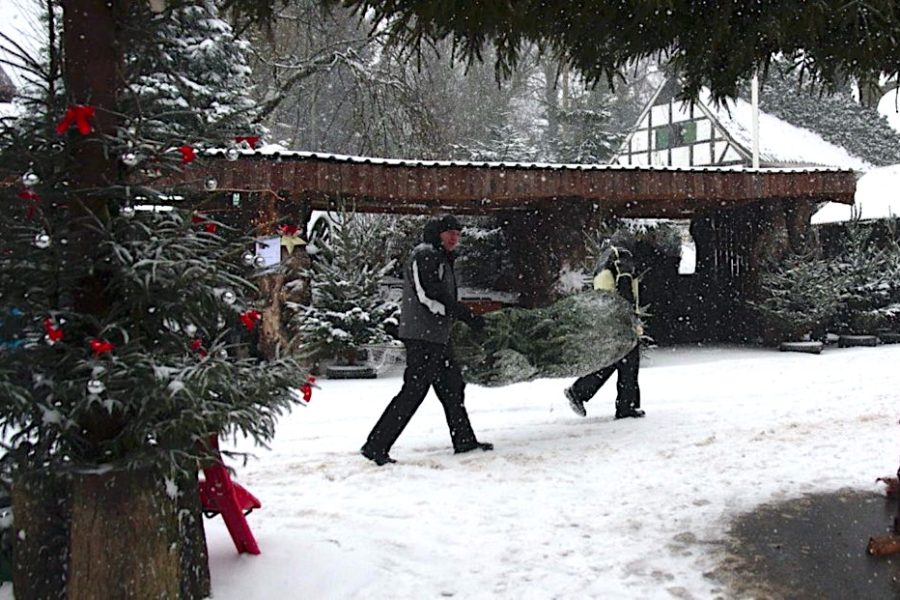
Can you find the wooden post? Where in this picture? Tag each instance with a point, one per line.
(274, 291)
(798, 214)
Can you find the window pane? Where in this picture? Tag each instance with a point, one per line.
(662, 137)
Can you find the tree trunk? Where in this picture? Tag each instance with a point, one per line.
(195, 582)
(541, 242)
(124, 537)
(40, 542)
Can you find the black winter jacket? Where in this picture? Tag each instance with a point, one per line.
(430, 301)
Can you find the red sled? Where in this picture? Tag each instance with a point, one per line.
(219, 495)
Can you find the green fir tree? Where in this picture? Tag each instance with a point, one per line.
(349, 309)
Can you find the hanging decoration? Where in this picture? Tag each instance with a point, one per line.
(232, 154)
(130, 159)
(30, 179)
(33, 199)
(99, 347)
(290, 237)
(53, 331)
(95, 387)
(78, 115)
(42, 240)
(188, 154)
(250, 318)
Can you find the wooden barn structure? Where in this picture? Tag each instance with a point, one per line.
(739, 216)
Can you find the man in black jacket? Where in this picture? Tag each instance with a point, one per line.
(617, 276)
(427, 310)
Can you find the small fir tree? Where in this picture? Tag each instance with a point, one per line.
(800, 296)
(349, 309)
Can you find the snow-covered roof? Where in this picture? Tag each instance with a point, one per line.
(278, 152)
(779, 142)
(877, 197)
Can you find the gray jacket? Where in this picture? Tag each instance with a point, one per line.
(430, 302)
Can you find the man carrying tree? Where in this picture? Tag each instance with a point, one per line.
(428, 308)
(616, 275)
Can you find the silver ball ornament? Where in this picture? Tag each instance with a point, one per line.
(42, 240)
(259, 261)
(130, 159)
(232, 154)
(190, 329)
(247, 258)
(222, 354)
(95, 387)
(228, 297)
(211, 184)
(127, 211)
(30, 179)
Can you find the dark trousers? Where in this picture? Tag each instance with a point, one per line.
(427, 364)
(628, 396)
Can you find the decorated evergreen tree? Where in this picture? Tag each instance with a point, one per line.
(349, 310)
(132, 341)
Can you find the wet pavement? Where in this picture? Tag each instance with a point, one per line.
(813, 547)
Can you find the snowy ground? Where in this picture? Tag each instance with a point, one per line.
(566, 507)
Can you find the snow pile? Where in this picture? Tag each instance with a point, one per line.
(565, 506)
(877, 197)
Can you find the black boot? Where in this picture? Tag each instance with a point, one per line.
(379, 458)
(474, 446)
(626, 413)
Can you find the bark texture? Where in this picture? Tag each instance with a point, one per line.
(124, 537)
(40, 542)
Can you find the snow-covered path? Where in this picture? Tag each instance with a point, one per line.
(565, 507)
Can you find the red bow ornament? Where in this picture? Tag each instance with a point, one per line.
(250, 140)
(101, 346)
(208, 226)
(188, 154)
(250, 318)
(33, 198)
(54, 333)
(79, 115)
(197, 346)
